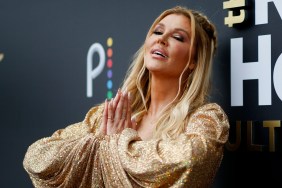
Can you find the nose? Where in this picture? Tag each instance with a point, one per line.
(162, 40)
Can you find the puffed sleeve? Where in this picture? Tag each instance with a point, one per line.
(191, 160)
(66, 158)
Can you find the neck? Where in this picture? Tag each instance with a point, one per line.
(163, 91)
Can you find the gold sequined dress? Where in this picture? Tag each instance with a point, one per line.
(77, 157)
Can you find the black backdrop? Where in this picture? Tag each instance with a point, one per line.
(43, 72)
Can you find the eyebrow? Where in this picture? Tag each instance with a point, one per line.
(177, 29)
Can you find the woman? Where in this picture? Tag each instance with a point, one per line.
(159, 131)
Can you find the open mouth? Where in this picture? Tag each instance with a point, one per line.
(159, 53)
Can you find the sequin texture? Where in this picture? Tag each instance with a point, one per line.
(78, 156)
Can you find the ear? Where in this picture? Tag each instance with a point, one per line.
(191, 66)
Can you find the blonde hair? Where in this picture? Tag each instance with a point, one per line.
(192, 92)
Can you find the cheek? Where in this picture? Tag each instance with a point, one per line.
(148, 42)
(146, 48)
(181, 57)
(181, 53)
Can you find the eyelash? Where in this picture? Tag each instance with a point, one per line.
(178, 38)
(157, 32)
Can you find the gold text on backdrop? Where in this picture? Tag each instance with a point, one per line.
(231, 18)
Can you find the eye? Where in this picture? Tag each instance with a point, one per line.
(158, 32)
(179, 38)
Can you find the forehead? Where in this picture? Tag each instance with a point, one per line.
(176, 21)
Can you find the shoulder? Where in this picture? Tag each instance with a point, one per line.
(211, 119)
(94, 111)
(93, 115)
(212, 109)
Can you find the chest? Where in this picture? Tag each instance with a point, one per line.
(146, 128)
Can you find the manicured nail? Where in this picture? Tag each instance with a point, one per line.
(124, 93)
(129, 95)
(118, 91)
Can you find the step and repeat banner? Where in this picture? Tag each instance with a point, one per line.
(60, 58)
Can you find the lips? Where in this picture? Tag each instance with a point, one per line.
(159, 53)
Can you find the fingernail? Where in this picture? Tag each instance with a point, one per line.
(129, 95)
(124, 93)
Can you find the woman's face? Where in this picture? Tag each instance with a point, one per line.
(167, 48)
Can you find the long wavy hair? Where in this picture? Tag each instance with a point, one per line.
(193, 89)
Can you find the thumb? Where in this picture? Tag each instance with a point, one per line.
(133, 123)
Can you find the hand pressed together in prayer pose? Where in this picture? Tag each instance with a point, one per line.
(117, 114)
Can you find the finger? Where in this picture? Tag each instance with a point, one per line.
(125, 106)
(121, 112)
(116, 100)
(120, 126)
(133, 123)
(110, 117)
(128, 114)
(103, 127)
(123, 119)
(118, 111)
